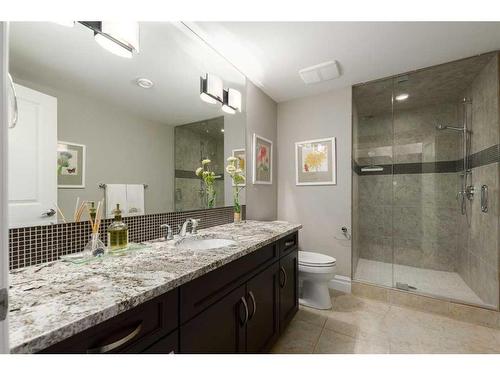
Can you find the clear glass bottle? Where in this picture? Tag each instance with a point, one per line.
(117, 232)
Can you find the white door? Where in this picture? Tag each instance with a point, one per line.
(4, 229)
(32, 160)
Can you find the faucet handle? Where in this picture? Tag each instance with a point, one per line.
(168, 235)
(194, 225)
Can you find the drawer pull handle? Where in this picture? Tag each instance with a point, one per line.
(285, 278)
(245, 321)
(117, 343)
(254, 303)
(289, 243)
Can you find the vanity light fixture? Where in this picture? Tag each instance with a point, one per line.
(232, 101)
(144, 83)
(119, 38)
(211, 89)
(402, 97)
(65, 23)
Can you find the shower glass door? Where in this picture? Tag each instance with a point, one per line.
(425, 151)
(373, 158)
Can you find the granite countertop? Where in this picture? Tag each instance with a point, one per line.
(53, 301)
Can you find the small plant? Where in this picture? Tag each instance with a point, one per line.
(238, 178)
(208, 177)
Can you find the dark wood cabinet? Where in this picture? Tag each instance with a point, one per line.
(263, 303)
(220, 328)
(130, 332)
(289, 288)
(166, 345)
(239, 308)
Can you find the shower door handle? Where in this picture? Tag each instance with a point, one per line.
(484, 198)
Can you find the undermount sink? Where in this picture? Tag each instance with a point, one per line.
(204, 243)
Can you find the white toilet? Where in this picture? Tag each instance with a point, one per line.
(315, 271)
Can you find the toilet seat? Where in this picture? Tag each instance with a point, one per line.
(310, 259)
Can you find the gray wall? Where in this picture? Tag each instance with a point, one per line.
(262, 120)
(322, 210)
(121, 148)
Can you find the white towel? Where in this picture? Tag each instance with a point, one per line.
(116, 194)
(135, 200)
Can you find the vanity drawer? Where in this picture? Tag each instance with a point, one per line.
(202, 292)
(130, 332)
(289, 243)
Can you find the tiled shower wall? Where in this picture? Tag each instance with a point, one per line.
(416, 213)
(34, 245)
(478, 251)
(192, 144)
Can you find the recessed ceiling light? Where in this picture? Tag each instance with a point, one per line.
(144, 83)
(402, 97)
(222, 130)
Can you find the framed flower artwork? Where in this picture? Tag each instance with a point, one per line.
(315, 162)
(70, 165)
(262, 160)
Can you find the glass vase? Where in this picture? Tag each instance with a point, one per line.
(237, 205)
(95, 247)
(211, 196)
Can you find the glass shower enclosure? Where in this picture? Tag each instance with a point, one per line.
(425, 181)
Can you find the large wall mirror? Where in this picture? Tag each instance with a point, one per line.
(90, 128)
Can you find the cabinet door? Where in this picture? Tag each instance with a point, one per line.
(166, 345)
(263, 304)
(218, 329)
(289, 285)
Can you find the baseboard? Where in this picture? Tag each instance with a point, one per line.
(341, 283)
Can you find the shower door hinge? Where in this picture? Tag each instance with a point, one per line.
(4, 304)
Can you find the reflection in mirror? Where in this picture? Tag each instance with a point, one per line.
(134, 126)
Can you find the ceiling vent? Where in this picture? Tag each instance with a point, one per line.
(319, 73)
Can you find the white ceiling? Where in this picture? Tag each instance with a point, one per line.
(170, 55)
(270, 54)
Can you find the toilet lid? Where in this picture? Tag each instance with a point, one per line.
(307, 258)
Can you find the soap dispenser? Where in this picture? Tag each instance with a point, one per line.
(117, 232)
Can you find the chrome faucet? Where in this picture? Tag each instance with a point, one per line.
(168, 234)
(194, 227)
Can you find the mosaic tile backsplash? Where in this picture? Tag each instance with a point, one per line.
(34, 245)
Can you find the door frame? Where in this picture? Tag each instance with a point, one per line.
(4, 225)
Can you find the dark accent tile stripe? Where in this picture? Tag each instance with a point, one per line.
(34, 245)
(478, 159)
(179, 173)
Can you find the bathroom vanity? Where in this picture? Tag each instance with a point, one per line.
(164, 299)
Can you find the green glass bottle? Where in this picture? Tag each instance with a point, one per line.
(117, 232)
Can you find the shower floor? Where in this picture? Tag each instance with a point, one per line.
(437, 283)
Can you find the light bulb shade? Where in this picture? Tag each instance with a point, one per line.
(228, 109)
(211, 89)
(112, 46)
(126, 33)
(232, 100)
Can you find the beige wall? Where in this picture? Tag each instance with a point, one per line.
(121, 148)
(262, 120)
(322, 210)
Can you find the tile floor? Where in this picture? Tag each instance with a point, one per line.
(364, 326)
(436, 283)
